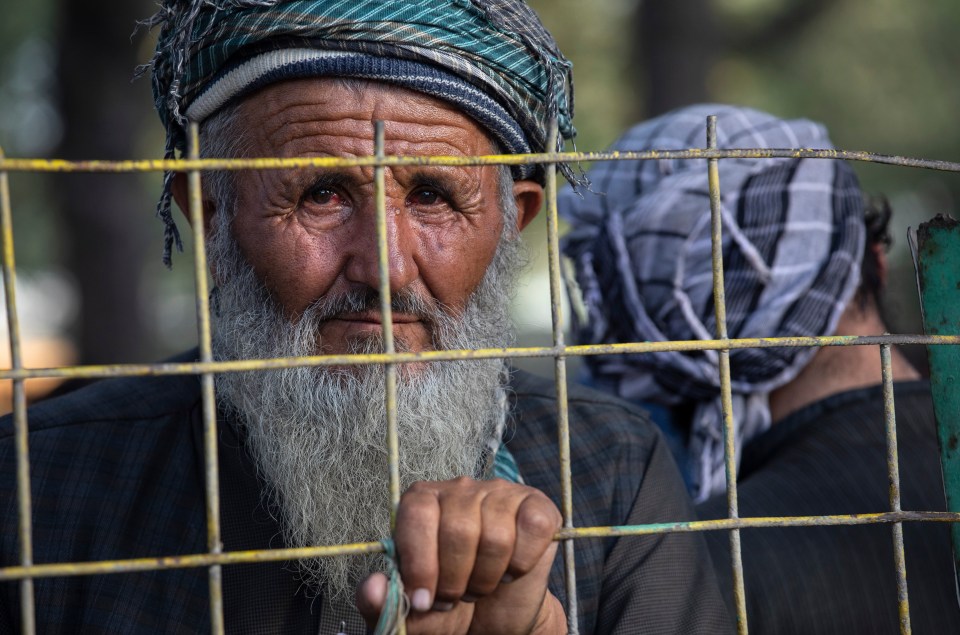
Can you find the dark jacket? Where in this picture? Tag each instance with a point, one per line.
(831, 458)
(117, 473)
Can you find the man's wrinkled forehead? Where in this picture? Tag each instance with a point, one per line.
(328, 117)
(304, 116)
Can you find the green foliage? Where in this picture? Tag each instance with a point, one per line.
(592, 36)
(22, 20)
(23, 30)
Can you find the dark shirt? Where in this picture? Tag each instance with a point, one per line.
(830, 458)
(117, 473)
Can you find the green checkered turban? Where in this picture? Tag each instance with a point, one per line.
(497, 48)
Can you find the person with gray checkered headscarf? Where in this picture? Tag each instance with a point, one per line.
(803, 254)
(793, 237)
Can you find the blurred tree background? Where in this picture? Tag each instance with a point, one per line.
(878, 73)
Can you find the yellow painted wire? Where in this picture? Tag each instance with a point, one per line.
(210, 459)
(21, 433)
(726, 398)
(275, 163)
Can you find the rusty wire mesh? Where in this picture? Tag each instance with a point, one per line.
(26, 571)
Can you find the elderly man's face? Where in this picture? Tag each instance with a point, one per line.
(311, 233)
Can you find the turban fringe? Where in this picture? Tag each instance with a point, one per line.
(497, 46)
(793, 239)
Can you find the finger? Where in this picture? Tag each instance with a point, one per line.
(498, 532)
(415, 537)
(537, 521)
(523, 602)
(458, 537)
(370, 597)
(442, 623)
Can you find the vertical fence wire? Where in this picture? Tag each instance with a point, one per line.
(560, 374)
(726, 401)
(893, 474)
(211, 466)
(386, 318)
(25, 529)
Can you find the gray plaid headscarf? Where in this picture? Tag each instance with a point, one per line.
(793, 239)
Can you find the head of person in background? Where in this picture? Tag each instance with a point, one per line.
(802, 257)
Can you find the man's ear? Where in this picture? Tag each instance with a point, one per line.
(880, 253)
(181, 195)
(529, 198)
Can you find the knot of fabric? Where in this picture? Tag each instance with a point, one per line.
(395, 606)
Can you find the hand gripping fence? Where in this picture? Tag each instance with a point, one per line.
(215, 558)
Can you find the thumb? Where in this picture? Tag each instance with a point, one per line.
(370, 597)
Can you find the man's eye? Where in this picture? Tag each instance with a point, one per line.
(323, 196)
(426, 196)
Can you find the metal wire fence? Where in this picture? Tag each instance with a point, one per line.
(214, 558)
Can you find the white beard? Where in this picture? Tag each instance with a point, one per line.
(318, 435)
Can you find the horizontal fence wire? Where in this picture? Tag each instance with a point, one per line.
(194, 368)
(27, 571)
(62, 569)
(270, 163)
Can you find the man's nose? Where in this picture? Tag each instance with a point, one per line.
(364, 266)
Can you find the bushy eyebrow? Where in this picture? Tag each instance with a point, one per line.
(331, 178)
(451, 179)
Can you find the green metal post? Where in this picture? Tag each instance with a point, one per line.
(937, 256)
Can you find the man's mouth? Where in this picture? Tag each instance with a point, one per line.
(344, 331)
(375, 317)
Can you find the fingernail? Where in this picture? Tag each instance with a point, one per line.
(420, 600)
(506, 579)
(443, 607)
